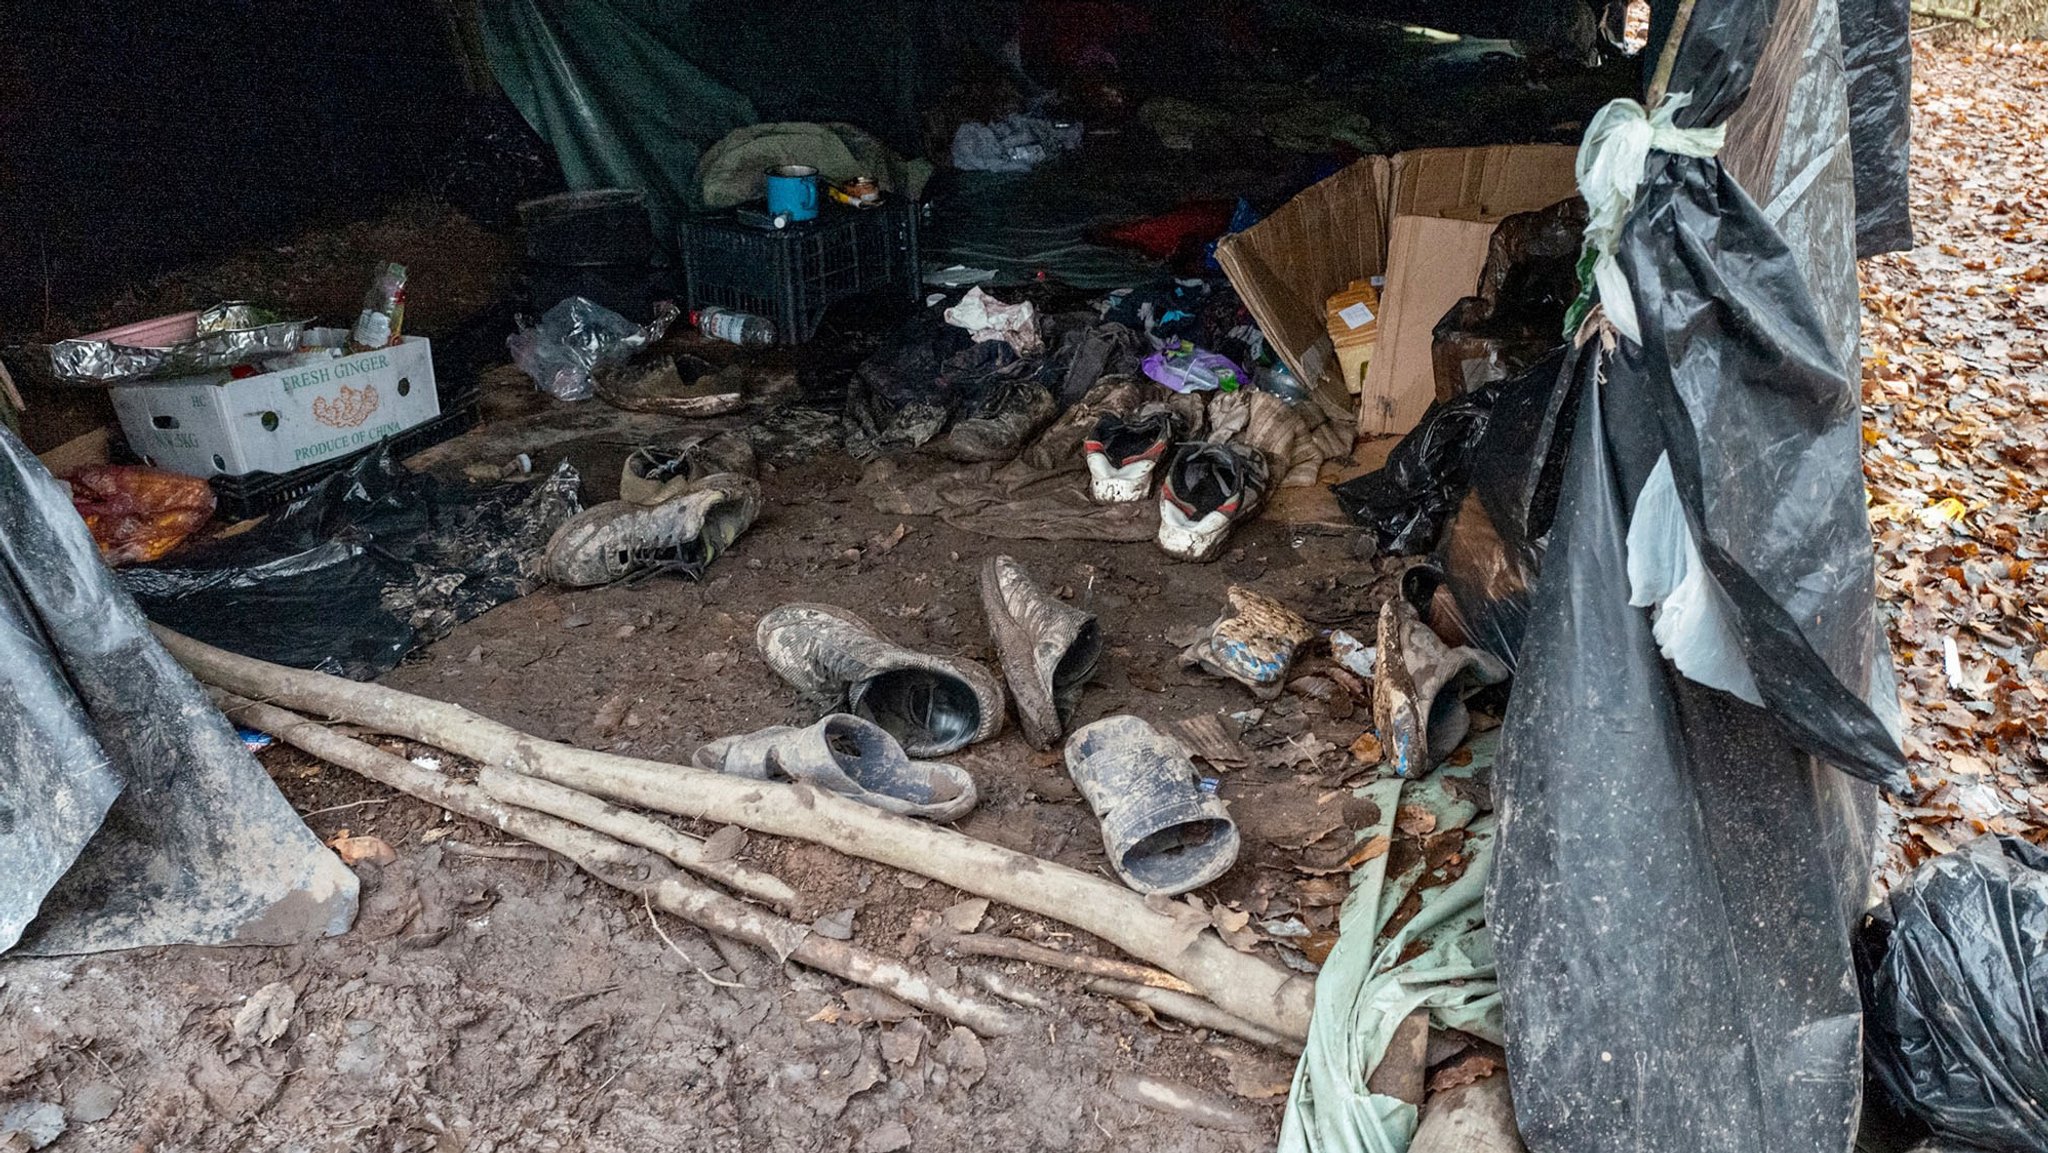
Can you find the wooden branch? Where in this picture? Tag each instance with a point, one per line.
(635, 870)
(1668, 58)
(1194, 1011)
(632, 828)
(1256, 990)
(1009, 948)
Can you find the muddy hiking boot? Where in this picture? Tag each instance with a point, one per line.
(620, 540)
(1124, 452)
(933, 705)
(1209, 489)
(846, 755)
(1048, 648)
(656, 473)
(1163, 831)
(1419, 687)
(1000, 426)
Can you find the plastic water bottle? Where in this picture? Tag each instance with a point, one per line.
(741, 328)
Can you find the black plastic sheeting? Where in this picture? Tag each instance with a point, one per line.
(373, 563)
(1491, 551)
(1679, 871)
(1877, 51)
(1955, 992)
(130, 812)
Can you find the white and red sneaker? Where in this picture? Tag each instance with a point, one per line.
(1124, 451)
(1208, 490)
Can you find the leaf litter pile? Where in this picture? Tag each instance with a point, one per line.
(1955, 393)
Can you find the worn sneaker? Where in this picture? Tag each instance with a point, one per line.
(1124, 451)
(1209, 489)
(620, 540)
(655, 473)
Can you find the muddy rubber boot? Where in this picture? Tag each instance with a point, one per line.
(620, 540)
(1048, 648)
(851, 757)
(1419, 687)
(656, 473)
(933, 705)
(1252, 643)
(1163, 832)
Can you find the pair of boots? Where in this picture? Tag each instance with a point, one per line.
(932, 704)
(678, 510)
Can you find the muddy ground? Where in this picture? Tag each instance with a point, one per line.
(494, 1004)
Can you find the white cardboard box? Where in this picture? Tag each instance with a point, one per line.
(214, 425)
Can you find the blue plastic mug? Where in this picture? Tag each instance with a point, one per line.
(793, 189)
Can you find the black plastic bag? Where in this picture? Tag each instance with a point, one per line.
(1407, 501)
(1491, 551)
(1955, 994)
(1877, 51)
(370, 565)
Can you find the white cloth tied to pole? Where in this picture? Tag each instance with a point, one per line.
(1611, 166)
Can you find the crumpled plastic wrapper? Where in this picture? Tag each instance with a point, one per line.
(138, 514)
(576, 336)
(231, 333)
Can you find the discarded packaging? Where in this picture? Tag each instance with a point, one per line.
(138, 514)
(312, 406)
(576, 336)
(382, 320)
(223, 336)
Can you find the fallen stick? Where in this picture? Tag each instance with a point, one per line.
(1258, 991)
(497, 852)
(1011, 949)
(645, 832)
(636, 870)
(632, 828)
(1194, 1011)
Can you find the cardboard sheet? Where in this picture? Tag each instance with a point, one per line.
(1432, 262)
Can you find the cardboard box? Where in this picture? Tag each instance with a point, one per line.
(215, 425)
(1352, 319)
(1287, 266)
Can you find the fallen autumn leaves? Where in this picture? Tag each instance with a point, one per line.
(1955, 393)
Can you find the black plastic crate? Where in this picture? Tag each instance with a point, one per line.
(253, 494)
(792, 275)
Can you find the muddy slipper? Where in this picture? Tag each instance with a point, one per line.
(1419, 687)
(1252, 643)
(1163, 833)
(851, 757)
